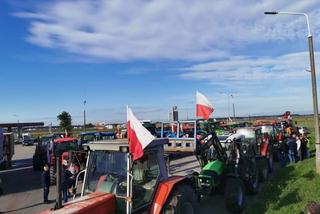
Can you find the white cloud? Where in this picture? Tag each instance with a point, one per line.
(241, 69)
(166, 29)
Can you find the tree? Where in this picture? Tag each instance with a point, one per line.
(65, 122)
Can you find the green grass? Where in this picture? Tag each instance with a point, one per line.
(290, 190)
(293, 186)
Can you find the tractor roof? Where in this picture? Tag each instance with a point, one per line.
(119, 145)
(65, 140)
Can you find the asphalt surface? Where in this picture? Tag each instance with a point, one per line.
(23, 192)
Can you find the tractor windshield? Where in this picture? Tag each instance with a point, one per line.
(107, 172)
(45, 141)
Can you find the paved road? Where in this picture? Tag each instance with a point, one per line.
(23, 192)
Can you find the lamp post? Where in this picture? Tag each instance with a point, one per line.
(84, 115)
(313, 81)
(233, 108)
(228, 96)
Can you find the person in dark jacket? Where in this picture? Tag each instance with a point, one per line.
(292, 145)
(45, 180)
(65, 180)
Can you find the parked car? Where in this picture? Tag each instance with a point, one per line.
(26, 140)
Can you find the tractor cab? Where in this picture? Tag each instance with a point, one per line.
(43, 150)
(111, 170)
(115, 183)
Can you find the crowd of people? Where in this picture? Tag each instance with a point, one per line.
(69, 174)
(293, 145)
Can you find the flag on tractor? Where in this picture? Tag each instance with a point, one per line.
(203, 106)
(138, 136)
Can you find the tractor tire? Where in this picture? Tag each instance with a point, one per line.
(270, 163)
(52, 176)
(252, 185)
(182, 200)
(234, 195)
(263, 166)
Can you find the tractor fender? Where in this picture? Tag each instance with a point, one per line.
(97, 202)
(163, 192)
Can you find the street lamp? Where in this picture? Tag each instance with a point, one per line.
(228, 96)
(233, 108)
(84, 115)
(313, 81)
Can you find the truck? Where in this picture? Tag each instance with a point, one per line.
(6, 149)
(26, 139)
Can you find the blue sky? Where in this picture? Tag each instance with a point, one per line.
(152, 55)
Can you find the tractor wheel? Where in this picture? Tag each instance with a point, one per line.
(183, 200)
(263, 169)
(52, 176)
(234, 195)
(252, 185)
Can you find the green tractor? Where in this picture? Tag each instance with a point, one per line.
(232, 171)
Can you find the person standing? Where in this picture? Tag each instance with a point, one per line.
(65, 180)
(298, 150)
(283, 150)
(73, 169)
(45, 180)
(292, 148)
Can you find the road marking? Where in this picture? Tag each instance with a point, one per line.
(17, 169)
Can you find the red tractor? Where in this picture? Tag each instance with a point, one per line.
(114, 183)
(66, 149)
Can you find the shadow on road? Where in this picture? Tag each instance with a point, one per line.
(20, 180)
(23, 208)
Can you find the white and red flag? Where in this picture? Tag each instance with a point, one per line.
(138, 136)
(203, 106)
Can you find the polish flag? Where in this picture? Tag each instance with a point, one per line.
(203, 106)
(138, 136)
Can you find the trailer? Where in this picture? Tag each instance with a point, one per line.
(181, 134)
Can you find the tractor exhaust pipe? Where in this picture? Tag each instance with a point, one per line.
(58, 204)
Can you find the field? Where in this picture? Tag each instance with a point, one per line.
(293, 186)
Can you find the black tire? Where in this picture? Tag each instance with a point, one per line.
(270, 163)
(182, 200)
(275, 155)
(252, 185)
(234, 195)
(52, 176)
(263, 169)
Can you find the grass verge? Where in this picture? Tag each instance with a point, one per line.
(290, 190)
